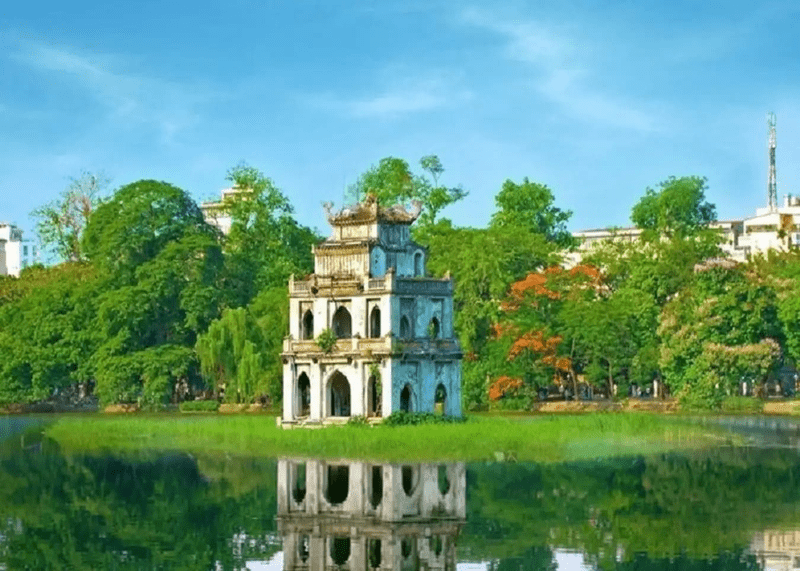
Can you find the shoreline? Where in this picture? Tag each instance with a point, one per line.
(769, 407)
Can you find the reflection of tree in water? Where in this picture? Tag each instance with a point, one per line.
(703, 508)
(116, 513)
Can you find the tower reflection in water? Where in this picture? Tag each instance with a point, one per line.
(363, 516)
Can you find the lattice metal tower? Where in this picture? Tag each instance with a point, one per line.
(772, 187)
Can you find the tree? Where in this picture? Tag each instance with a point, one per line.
(266, 244)
(719, 331)
(137, 223)
(678, 207)
(530, 206)
(161, 268)
(392, 181)
(60, 223)
(240, 351)
(47, 332)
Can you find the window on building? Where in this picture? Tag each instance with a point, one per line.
(375, 323)
(405, 328)
(433, 328)
(308, 325)
(342, 324)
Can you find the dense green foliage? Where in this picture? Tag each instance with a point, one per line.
(162, 307)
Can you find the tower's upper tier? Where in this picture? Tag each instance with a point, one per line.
(369, 240)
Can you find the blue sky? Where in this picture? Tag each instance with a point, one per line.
(598, 100)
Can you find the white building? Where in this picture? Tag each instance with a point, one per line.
(775, 229)
(358, 516)
(215, 212)
(15, 253)
(395, 346)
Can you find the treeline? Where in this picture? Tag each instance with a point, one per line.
(153, 305)
(666, 311)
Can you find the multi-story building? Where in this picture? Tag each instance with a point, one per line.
(15, 253)
(215, 212)
(775, 229)
(359, 516)
(389, 328)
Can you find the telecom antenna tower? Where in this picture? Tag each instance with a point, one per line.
(772, 187)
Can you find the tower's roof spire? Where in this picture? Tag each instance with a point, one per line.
(370, 211)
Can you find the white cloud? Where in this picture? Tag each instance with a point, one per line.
(562, 71)
(412, 94)
(127, 98)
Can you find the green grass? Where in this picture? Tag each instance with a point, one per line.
(540, 438)
(739, 404)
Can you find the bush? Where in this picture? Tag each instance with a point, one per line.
(199, 406)
(742, 404)
(326, 341)
(401, 418)
(358, 420)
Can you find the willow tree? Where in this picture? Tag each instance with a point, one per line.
(240, 353)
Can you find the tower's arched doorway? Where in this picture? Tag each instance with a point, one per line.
(342, 324)
(440, 400)
(303, 395)
(338, 395)
(373, 396)
(405, 399)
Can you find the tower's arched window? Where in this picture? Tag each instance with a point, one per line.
(308, 325)
(434, 329)
(405, 328)
(418, 264)
(342, 324)
(375, 323)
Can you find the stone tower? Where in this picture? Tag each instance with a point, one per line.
(395, 348)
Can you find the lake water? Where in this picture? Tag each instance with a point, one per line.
(722, 509)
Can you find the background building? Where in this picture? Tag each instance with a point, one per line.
(215, 212)
(15, 253)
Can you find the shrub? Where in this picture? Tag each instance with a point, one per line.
(358, 420)
(402, 418)
(326, 340)
(742, 404)
(199, 406)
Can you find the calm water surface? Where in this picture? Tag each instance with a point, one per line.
(724, 509)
